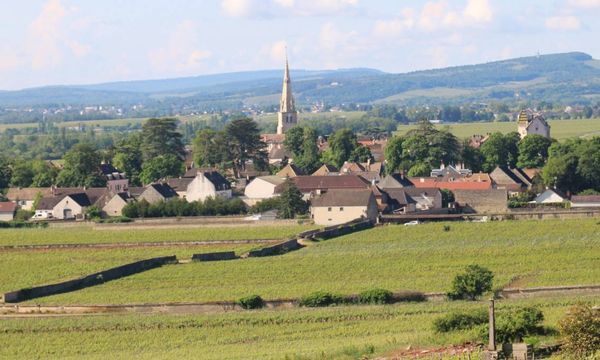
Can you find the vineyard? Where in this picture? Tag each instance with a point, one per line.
(327, 333)
(89, 235)
(420, 258)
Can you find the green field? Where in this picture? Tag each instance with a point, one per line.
(559, 129)
(422, 258)
(21, 269)
(128, 234)
(328, 333)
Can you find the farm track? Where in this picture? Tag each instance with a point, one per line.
(26, 311)
(134, 244)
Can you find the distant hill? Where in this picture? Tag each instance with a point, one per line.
(568, 77)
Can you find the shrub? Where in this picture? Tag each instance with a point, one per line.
(22, 224)
(321, 298)
(23, 215)
(580, 331)
(515, 325)
(251, 302)
(459, 321)
(446, 228)
(471, 284)
(265, 205)
(375, 296)
(93, 212)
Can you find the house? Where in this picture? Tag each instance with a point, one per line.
(395, 181)
(530, 122)
(477, 140)
(369, 171)
(326, 170)
(154, 193)
(550, 196)
(72, 206)
(200, 184)
(338, 206)
(290, 170)
(115, 204)
(25, 197)
(262, 187)
(45, 206)
(116, 181)
(399, 202)
(482, 201)
(278, 153)
(585, 201)
(514, 180)
(450, 172)
(425, 198)
(7, 210)
(476, 181)
(315, 185)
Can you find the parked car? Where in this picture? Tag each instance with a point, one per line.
(411, 223)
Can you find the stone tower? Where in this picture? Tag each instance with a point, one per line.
(287, 117)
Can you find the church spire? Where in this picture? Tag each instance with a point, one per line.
(287, 99)
(287, 116)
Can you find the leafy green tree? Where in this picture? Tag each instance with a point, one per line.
(393, 154)
(5, 172)
(22, 174)
(210, 148)
(160, 137)
(308, 158)
(81, 167)
(561, 172)
(294, 140)
(533, 151)
(580, 331)
(160, 167)
(588, 166)
(471, 157)
(419, 169)
(500, 150)
(341, 145)
(361, 154)
(471, 284)
(128, 158)
(244, 144)
(291, 202)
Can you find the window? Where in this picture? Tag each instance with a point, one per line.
(341, 209)
(329, 209)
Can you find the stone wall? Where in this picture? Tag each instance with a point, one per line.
(482, 201)
(276, 249)
(337, 230)
(87, 281)
(216, 256)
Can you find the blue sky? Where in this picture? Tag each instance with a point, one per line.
(45, 42)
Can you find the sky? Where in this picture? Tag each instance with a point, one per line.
(49, 42)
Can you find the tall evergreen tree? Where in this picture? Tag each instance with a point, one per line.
(244, 144)
(160, 137)
(290, 201)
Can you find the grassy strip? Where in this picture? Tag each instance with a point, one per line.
(422, 258)
(326, 333)
(87, 234)
(22, 269)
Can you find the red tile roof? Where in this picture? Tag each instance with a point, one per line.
(8, 206)
(450, 185)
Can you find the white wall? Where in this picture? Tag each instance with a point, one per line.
(6, 216)
(67, 203)
(335, 215)
(201, 188)
(548, 197)
(259, 189)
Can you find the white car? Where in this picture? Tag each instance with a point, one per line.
(411, 223)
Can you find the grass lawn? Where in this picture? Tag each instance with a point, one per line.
(422, 258)
(87, 234)
(20, 269)
(328, 333)
(560, 129)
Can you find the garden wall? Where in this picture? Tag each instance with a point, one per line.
(87, 281)
(337, 230)
(216, 256)
(276, 249)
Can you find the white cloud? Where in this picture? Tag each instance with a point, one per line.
(285, 3)
(478, 11)
(45, 33)
(237, 8)
(395, 27)
(8, 60)
(587, 4)
(568, 22)
(182, 53)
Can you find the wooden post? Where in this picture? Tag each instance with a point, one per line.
(492, 328)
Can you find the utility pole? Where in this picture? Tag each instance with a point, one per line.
(491, 353)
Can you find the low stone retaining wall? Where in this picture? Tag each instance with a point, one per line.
(513, 293)
(276, 249)
(86, 281)
(337, 230)
(216, 256)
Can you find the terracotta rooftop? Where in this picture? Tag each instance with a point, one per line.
(8, 206)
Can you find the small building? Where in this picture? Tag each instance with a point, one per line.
(114, 206)
(7, 210)
(395, 181)
(530, 122)
(326, 169)
(262, 187)
(514, 180)
(340, 206)
(45, 207)
(154, 193)
(482, 201)
(116, 181)
(25, 197)
(200, 184)
(550, 196)
(585, 201)
(290, 171)
(315, 185)
(451, 172)
(71, 206)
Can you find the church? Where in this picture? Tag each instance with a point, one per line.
(532, 123)
(287, 118)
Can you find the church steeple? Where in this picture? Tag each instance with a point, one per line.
(287, 116)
